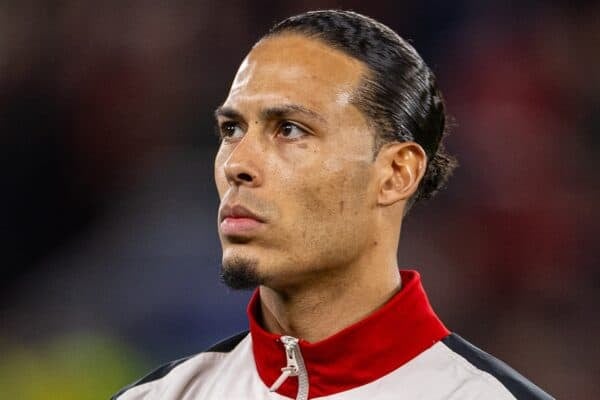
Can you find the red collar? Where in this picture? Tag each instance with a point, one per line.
(390, 337)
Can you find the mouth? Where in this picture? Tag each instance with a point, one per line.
(238, 221)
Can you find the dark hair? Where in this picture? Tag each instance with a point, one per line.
(399, 96)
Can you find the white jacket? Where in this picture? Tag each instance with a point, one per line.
(402, 352)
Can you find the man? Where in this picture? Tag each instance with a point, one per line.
(331, 131)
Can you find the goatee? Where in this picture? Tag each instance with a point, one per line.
(240, 274)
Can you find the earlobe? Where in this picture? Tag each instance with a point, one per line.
(402, 166)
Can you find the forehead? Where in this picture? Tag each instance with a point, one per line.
(294, 68)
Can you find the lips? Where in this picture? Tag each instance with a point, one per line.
(238, 221)
(238, 211)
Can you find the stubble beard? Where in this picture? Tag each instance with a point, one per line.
(241, 273)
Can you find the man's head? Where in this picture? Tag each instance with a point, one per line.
(331, 130)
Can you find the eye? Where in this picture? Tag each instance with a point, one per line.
(289, 130)
(231, 130)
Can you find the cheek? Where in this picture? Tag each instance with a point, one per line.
(219, 174)
(330, 219)
(331, 197)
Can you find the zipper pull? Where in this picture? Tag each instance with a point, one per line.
(291, 369)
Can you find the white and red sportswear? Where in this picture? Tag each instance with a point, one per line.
(401, 351)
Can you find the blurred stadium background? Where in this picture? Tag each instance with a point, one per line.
(109, 248)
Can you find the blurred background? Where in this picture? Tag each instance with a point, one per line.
(110, 255)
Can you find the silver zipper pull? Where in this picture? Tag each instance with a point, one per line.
(294, 367)
(291, 369)
(277, 384)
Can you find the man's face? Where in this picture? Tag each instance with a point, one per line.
(294, 171)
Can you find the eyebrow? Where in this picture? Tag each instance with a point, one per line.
(228, 112)
(275, 112)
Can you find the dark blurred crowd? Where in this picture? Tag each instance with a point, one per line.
(109, 213)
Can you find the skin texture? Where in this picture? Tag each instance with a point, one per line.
(299, 155)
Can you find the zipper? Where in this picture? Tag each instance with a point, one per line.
(294, 367)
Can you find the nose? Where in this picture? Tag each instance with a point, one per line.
(241, 167)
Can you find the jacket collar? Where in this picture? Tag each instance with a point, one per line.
(388, 338)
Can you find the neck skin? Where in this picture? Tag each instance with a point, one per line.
(335, 300)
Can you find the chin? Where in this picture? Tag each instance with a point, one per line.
(247, 267)
(241, 273)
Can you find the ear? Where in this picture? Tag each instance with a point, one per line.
(400, 167)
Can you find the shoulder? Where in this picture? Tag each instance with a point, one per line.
(493, 370)
(167, 370)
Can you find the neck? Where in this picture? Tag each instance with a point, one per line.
(328, 304)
